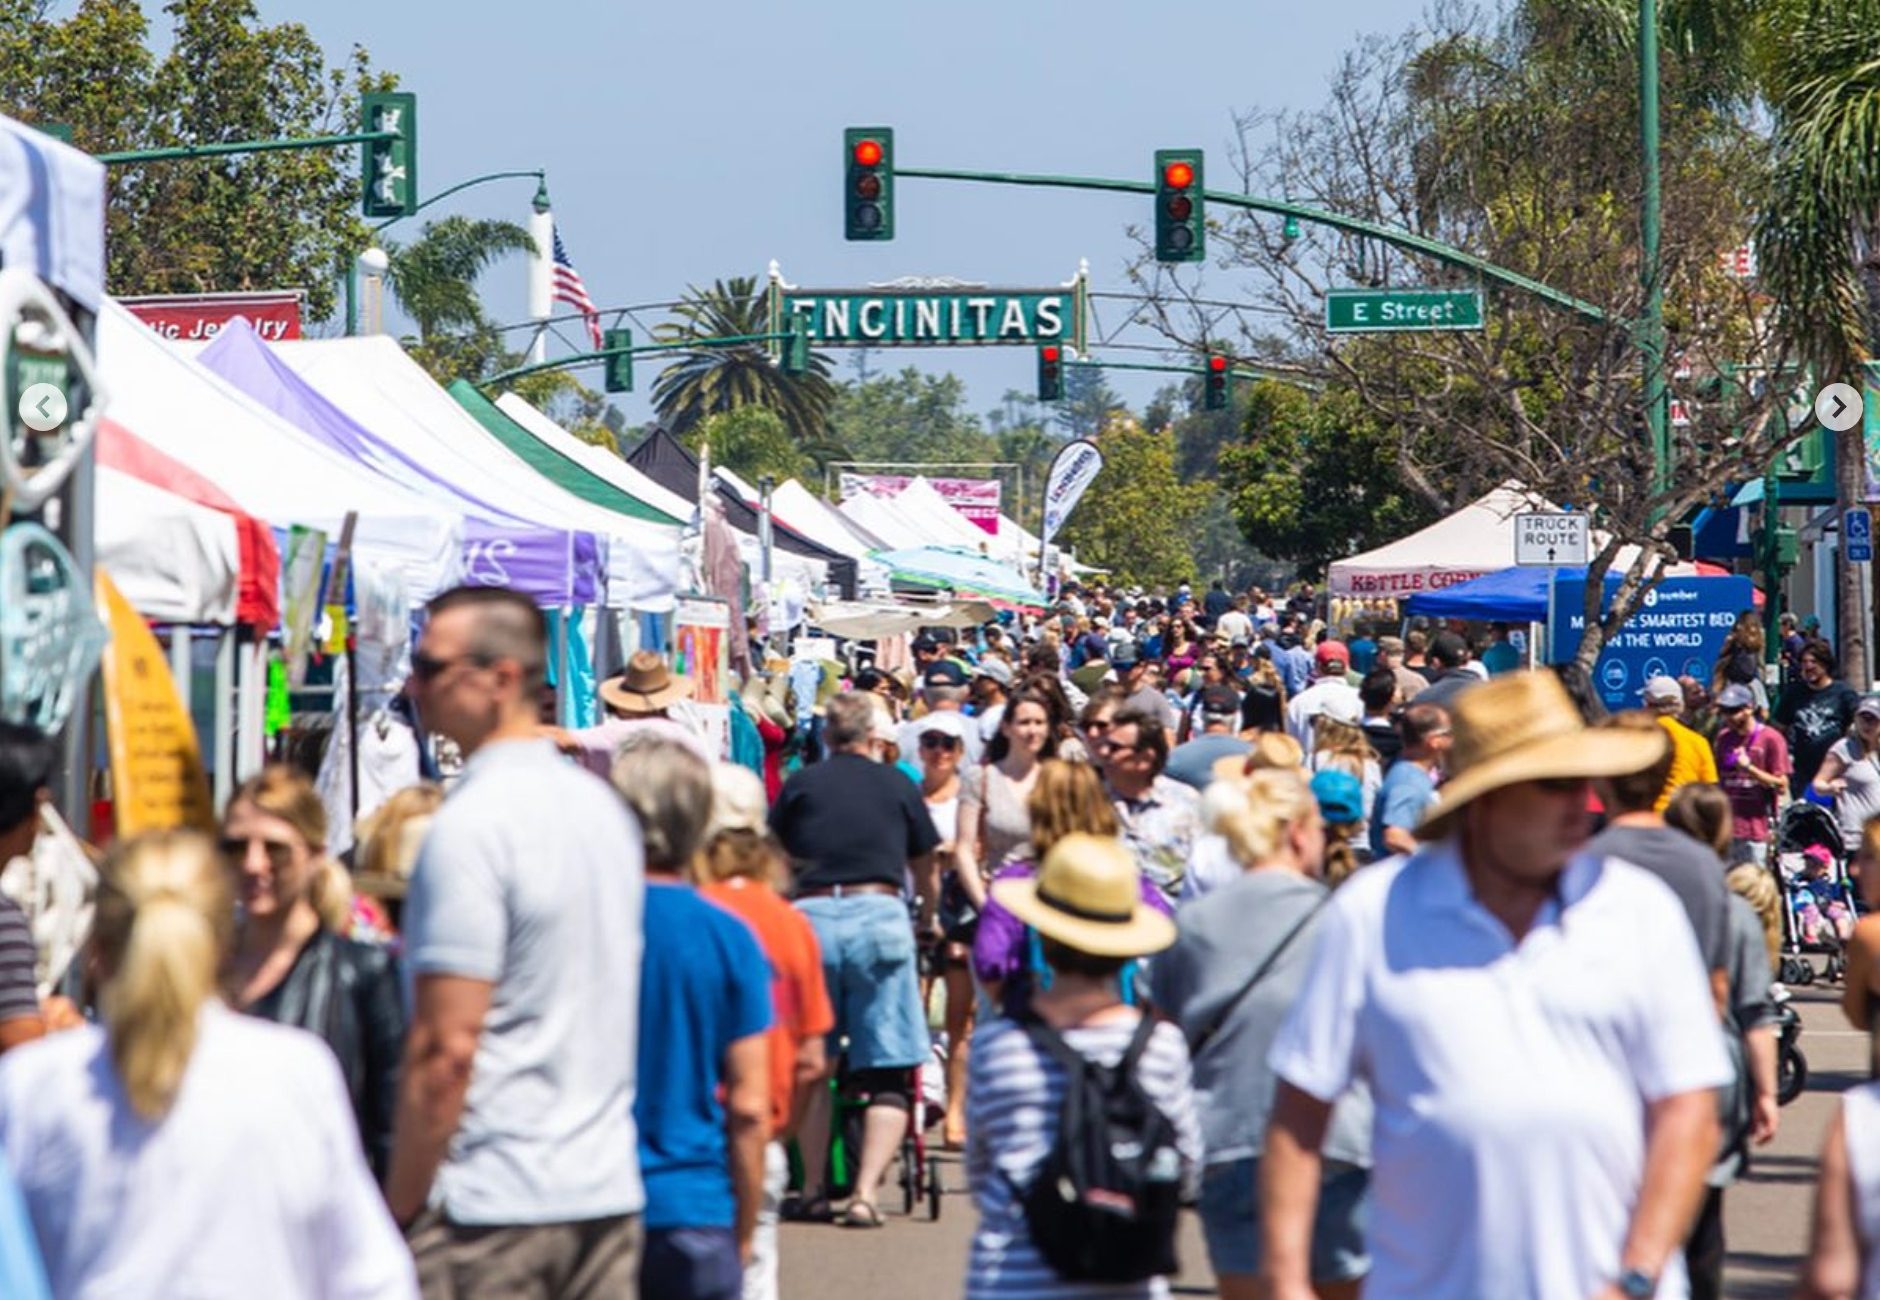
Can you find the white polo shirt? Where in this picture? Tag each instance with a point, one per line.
(1510, 1080)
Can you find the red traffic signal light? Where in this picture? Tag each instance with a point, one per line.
(868, 153)
(868, 203)
(1049, 352)
(1180, 225)
(1217, 363)
(1178, 175)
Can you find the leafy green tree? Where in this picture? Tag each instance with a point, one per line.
(1316, 478)
(712, 380)
(435, 278)
(910, 416)
(750, 441)
(255, 221)
(1137, 519)
(1088, 403)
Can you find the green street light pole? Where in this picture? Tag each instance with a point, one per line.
(1651, 326)
(540, 204)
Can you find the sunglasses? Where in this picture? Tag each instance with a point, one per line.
(938, 740)
(426, 668)
(1098, 727)
(1113, 747)
(280, 854)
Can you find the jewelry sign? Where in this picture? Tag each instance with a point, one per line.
(50, 397)
(50, 636)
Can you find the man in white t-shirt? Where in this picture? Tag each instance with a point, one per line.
(514, 1164)
(1329, 690)
(1535, 1027)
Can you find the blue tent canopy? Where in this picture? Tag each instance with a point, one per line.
(1517, 595)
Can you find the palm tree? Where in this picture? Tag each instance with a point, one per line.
(434, 277)
(1819, 240)
(709, 380)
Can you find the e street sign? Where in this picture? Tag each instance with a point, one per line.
(1383, 311)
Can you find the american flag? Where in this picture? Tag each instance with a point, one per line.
(569, 289)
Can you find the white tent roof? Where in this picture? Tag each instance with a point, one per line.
(377, 384)
(1477, 539)
(271, 469)
(174, 560)
(640, 487)
(882, 521)
(819, 521)
(922, 501)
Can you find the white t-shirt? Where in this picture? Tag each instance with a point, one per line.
(1304, 708)
(1860, 1113)
(254, 1183)
(532, 878)
(1510, 1080)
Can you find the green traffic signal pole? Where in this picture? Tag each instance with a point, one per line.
(244, 146)
(589, 358)
(1405, 239)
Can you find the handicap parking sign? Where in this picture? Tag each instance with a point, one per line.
(1857, 535)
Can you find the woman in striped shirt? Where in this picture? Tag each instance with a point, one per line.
(1077, 903)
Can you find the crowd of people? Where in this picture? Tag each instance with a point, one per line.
(1412, 973)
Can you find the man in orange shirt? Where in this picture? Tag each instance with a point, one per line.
(740, 869)
(1691, 757)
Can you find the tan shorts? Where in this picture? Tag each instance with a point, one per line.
(595, 1259)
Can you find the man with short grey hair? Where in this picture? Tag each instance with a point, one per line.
(854, 829)
(522, 936)
(943, 689)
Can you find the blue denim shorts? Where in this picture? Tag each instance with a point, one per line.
(870, 966)
(1230, 1220)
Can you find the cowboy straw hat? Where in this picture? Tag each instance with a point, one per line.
(1523, 727)
(645, 685)
(1088, 896)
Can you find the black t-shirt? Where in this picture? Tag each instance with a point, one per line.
(1260, 710)
(1385, 739)
(1814, 719)
(850, 821)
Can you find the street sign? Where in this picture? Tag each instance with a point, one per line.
(1857, 535)
(890, 318)
(1550, 538)
(1383, 311)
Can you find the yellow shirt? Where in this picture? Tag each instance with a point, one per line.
(1691, 760)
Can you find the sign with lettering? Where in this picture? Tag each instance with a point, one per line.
(1383, 311)
(1678, 632)
(198, 317)
(977, 499)
(157, 777)
(50, 637)
(1550, 538)
(925, 318)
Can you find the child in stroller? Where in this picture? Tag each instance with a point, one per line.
(1818, 908)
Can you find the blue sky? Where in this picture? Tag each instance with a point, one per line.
(685, 141)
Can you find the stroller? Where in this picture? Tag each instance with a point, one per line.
(1808, 835)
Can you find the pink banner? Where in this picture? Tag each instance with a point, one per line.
(975, 498)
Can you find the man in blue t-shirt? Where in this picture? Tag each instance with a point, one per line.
(1410, 785)
(705, 1007)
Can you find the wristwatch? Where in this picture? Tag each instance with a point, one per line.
(1635, 1284)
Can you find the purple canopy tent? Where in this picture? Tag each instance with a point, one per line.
(553, 566)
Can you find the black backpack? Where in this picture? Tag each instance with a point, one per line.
(1103, 1205)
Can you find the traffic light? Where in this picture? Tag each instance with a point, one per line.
(390, 167)
(795, 355)
(1179, 227)
(619, 367)
(1050, 373)
(1214, 385)
(868, 187)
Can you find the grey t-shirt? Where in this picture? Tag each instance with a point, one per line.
(1225, 936)
(1855, 806)
(1694, 873)
(532, 877)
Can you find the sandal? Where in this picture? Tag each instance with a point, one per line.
(861, 1214)
(806, 1209)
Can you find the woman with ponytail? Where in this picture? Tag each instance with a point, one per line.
(291, 964)
(179, 1149)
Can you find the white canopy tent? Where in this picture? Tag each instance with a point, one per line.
(270, 468)
(883, 522)
(378, 385)
(174, 560)
(819, 521)
(921, 501)
(1477, 539)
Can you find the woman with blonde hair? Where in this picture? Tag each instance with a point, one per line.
(1066, 799)
(291, 961)
(1236, 967)
(179, 1149)
(1340, 745)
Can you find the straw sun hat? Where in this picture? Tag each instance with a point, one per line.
(646, 685)
(1524, 727)
(1088, 896)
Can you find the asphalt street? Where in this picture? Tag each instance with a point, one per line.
(1766, 1214)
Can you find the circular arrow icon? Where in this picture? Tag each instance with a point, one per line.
(1838, 406)
(42, 408)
